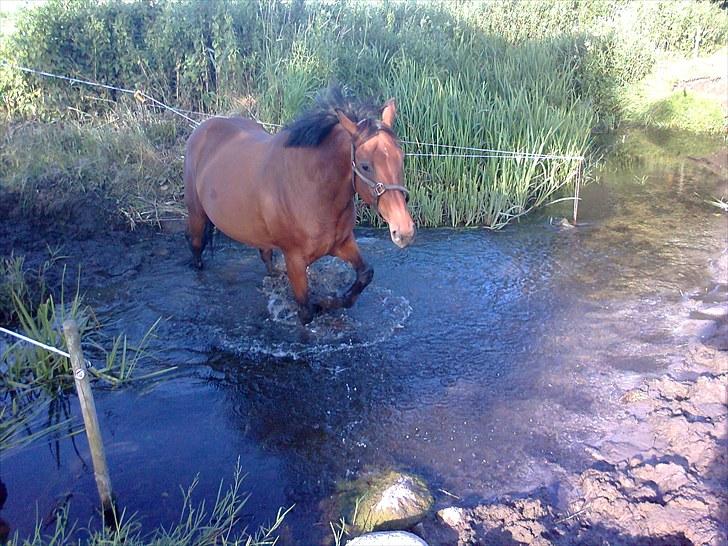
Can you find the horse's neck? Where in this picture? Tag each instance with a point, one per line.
(328, 166)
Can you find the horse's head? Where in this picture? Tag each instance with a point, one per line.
(378, 171)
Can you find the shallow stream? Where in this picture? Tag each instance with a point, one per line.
(487, 362)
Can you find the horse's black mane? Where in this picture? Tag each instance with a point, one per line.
(314, 125)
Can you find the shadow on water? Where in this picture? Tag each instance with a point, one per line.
(486, 361)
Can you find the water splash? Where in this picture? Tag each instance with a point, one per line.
(374, 319)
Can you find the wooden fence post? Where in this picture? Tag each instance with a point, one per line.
(577, 187)
(88, 409)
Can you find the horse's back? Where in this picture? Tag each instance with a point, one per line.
(210, 137)
(224, 175)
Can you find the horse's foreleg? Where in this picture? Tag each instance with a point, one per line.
(349, 252)
(296, 267)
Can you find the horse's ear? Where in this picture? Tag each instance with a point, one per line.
(346, 123)
(389, 111)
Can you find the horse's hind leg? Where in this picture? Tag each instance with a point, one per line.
(266, 254)
(199, 230)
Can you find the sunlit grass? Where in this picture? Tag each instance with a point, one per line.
(685, 94)
(493, 108)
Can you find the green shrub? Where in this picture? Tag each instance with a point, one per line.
(685, 26)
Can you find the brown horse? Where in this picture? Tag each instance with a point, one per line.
(295, 190)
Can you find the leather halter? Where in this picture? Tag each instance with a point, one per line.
(376, 188)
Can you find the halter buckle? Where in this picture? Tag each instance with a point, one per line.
(379, 189)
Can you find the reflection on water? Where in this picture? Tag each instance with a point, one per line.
(487, 362)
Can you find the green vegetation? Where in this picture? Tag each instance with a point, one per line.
(524, 76)
(198, 525)
(125, 161)
(689, 94)
(686, 111)
(35, 382)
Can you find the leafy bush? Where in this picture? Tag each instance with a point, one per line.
(205, 55)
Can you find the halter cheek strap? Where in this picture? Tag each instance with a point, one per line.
(376, 188)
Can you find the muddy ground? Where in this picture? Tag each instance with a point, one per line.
(661, 478)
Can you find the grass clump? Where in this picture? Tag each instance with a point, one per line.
(19, 282)
(198, 525)
(35, 381)
(490, 191)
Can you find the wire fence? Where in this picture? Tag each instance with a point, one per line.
(34, 342)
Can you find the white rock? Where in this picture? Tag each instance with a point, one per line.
(387, 538)
(452, 516)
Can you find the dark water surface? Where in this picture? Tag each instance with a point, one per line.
(486, 362)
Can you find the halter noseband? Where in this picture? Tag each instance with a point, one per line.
(376, 188)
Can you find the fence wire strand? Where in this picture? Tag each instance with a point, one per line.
(34, 342)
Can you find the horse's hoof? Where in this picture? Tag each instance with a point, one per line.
(197, 264)
(305, 314)
(367, 276)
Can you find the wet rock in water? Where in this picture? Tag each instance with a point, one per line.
(388, 501)
(523, 521)
(452, 516)
(388, 538)
(634, 396)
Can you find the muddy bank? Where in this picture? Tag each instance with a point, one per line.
(660, 478)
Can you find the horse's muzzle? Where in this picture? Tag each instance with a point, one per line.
(402, 240)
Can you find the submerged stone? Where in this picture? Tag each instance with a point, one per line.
(388, 501)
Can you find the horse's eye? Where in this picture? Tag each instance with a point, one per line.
(365, 167)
